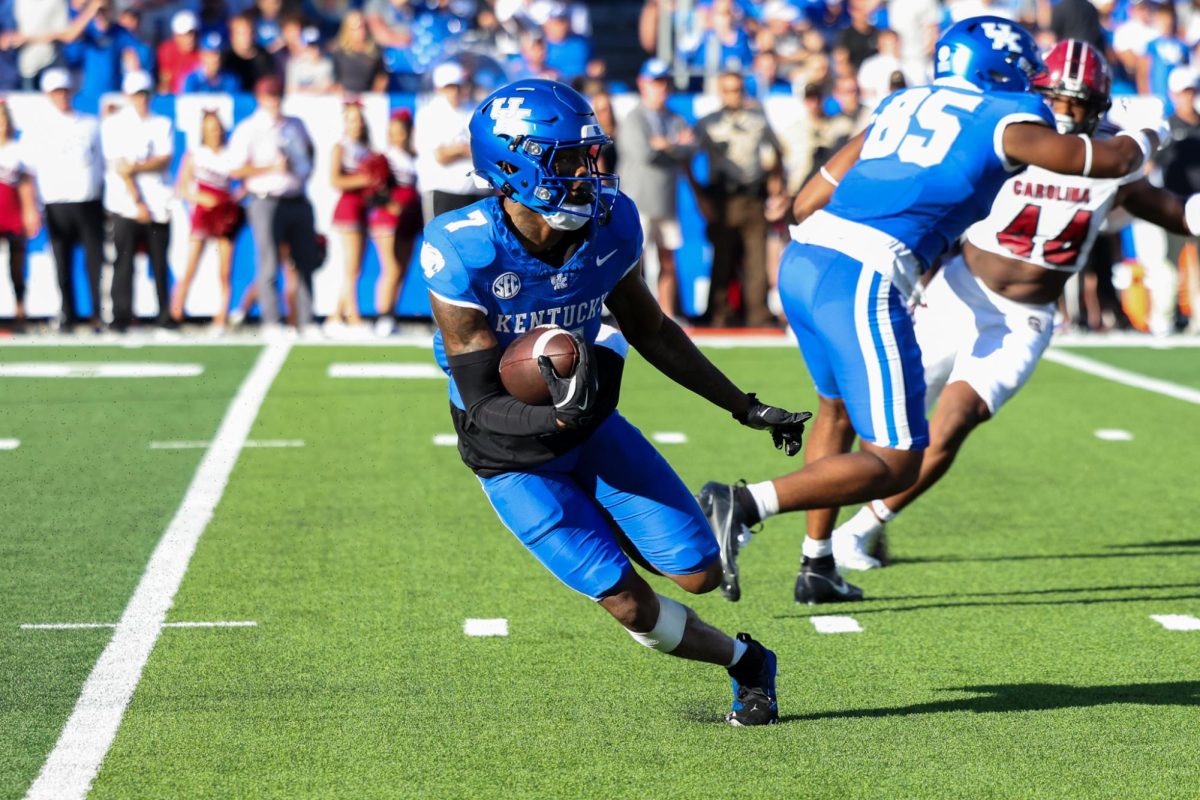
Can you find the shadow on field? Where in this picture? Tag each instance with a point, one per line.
(1167, 543)
(1031, 697)
(870, 608)
(1179, 550)
(1073, 590)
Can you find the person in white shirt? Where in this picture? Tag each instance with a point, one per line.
(443, 143)
(64, 154)
(273, 155)
(138, 147)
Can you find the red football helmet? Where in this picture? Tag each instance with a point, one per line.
(1077, 71)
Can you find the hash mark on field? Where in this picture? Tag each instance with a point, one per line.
(485, 627)
(835, 624)
(445, 439)
(9, 444)
(50, 369)
(669, 437)
(197, 445)
(1177, 622)
(74, 626)
(89, 732)
(424, 371)
(1114, 435)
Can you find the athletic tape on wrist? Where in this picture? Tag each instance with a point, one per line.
(1087, 156)
(1191, 214)
(1143, 143)
(668, 631)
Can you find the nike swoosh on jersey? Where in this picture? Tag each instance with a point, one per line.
(600, 261)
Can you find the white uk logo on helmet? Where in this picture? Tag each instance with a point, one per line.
(510, 114)
(1003, 36)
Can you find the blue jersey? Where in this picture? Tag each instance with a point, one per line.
(471, 258)
(932, 162)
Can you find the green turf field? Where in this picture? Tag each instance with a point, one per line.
(1009, 653)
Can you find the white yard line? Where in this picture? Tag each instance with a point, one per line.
(485, 627)
(76, 758)
(9, 444)
(403, 371)
(669, 437)
(445, 440)
(248, 444)
(1137, 381)
(1177, 622)
(57, 369)
(835, 624)
(75, 626)
(1114, 435)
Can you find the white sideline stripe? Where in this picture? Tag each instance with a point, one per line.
(669, 437)
(50, 369)
(485, 627)
(385, 371)
(1114, 435)
(1177, 622)
(835, 624)
(445, 439)
(1126, 377)
(9, 444)
(89, 732)
(249, 443)
(73, 626)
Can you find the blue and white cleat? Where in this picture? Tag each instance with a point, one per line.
(754, 701)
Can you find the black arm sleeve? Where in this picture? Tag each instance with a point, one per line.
(477, 376)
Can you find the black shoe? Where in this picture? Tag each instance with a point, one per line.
(754, 700)
(725, 517)
(815, 585)
(167, 323)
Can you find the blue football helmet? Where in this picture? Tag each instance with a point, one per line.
(524, 134)
(991, 52)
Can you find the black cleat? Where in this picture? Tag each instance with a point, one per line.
(725, 517)
(754, 702)
(815, 586)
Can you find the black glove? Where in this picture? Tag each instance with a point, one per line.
(574, 396)
(786, 427)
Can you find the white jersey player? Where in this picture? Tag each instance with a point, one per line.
(988, 314)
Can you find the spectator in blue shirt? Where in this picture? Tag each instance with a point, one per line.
(209, 77)
(1163, 54)
(567, 53)
(269, 27)
(103, 51)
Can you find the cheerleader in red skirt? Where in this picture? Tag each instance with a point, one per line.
(19, 218)
(396, 223)
(216, 216)
(355, 174)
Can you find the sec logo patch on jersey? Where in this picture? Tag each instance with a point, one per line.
(507, 286)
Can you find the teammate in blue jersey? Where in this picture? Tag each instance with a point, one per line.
(878, 216)
(578, 485)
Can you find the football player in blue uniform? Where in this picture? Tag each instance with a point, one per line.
(578, 485)
(881, 213)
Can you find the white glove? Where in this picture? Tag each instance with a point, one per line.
(1132, 113)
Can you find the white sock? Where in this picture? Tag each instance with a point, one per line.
(739, 650)
(817, 548)
(861, 524)
(765, 498)
(882, 512)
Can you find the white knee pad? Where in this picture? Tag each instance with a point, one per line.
(668, 631)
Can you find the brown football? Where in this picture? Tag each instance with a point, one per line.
(519, 367)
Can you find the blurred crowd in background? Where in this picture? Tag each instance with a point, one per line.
(727, 104)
